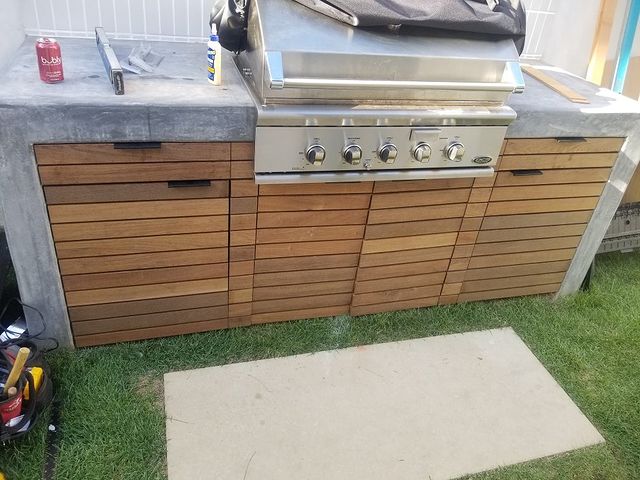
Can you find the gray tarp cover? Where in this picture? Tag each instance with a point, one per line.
(503, 17)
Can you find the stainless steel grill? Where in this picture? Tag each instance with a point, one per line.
(338, 103)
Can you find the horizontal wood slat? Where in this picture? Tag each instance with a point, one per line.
(410, 214)
(544, 162)
(500, 194)
(303, 303)
(300, 314)
(124, 246)
(89, 153)
(138, 228)
(295, 203)
(402, 270)
(521, 258)
(413, 199)
(242, 151)
(303, 276)
(406, 256)
(310, 234)
(399, 295)
(369, 286)
(520, 146)
(144, 277)
(530, 233)
(302, 290)
(509, 292)
(132, 172)
(131, 192)
(526, 245)
(422, 185)
(316, 189)
(314, 262)
(541, 206)
(105, 325)
(512, 282)
(94, 212)
(145, 292)
(317, 219)
(516, 270)
(409, 243)
(277, 250)
(142, 307)
(536, 220)
(393, 306)
(390, 230)
(141, 261)
(552, 177)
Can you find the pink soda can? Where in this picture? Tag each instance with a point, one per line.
(49, 60)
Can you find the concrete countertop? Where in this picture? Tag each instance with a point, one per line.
(176, 103)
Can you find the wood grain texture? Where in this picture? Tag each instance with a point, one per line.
(144, 277)
(302, 290)
(558, 161)
(300, 314)
(526, 245)
(142, 307)
(317, 219)
(521, 258)
(295, 203)
(391, 230)
(336, 247)
(131, 192)
(95, 212)
(141, 261)
(241, 169)
(554, 84)
(400, 295)
(242, 151)
(508, 293)
(63, 232)
(240, 282)
(243, 205)
(530, 233)
(105, 325)
(542, 206)
(379, 285)
(303, 276)
(422, 185)
(244, 188)
(410, 214)
(316, 189)
(91, 153)
(125, 246)
(536, 220)
(242, 238)
(406, 256)
(402, 270)
(526, 146)
(241, 268)
(501, 194)
(314, 262)
(516, 270)
(242, 253)
(357, 310)
(146, 292)
(512, 282)
(147, 333)
(240, 296)
(557, 176)
(409, 243)
(132, 172)
(310, 234)
(243, 222)
(304, 303)
(413, 199)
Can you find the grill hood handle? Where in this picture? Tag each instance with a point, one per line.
(512, 80)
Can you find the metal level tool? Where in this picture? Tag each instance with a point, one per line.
(111, 63)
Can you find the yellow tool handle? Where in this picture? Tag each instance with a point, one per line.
(18, 365)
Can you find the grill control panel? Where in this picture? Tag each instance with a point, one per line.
(333, 149)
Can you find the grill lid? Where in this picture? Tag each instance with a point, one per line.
(296, 55)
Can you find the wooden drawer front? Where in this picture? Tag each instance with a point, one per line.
(90, 164)
(308, 241)
(528, 146)
(140, 259)
(409, 241)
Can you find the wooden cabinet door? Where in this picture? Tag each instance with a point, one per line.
(141, 236)
(409, 241)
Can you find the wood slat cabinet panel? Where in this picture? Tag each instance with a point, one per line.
(533, 146)
(142, 236)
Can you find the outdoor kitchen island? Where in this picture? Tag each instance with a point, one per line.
(137, 216)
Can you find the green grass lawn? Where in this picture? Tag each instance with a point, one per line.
(112, 416)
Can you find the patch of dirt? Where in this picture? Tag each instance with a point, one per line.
(151, 386)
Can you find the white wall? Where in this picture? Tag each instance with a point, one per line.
(11, 31)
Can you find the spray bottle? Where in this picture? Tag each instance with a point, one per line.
(214, 57)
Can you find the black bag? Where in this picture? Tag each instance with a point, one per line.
(230, 17)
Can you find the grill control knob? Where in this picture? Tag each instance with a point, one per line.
(352, 154)
(388, 153)
(422, 152)
(455, 151)
(315, 154)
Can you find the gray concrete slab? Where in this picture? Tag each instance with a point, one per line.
(434, 408)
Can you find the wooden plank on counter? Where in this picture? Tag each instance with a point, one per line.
(142, 307)
(526, 146)
(509, 292)
(402, 270)
(317, 219)
(530, 233)
(92, 327)
(94, 212)
(303, 276)
(313, 262)
(144, 277)
(295, 203)
(555, 176)
(125, 246)
(139, 228)
(542, 206)
(132, 172)
(92, 153)
(141, 261)
(146, 292)
(536, 220)
(302, 290)
(501, 194)
(557, 161)
(310, 234)
(554, 84)
(393, 306)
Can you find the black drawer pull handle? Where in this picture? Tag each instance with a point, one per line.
(136, 145)
(571, 139)
(526, 173)
(189, 183)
